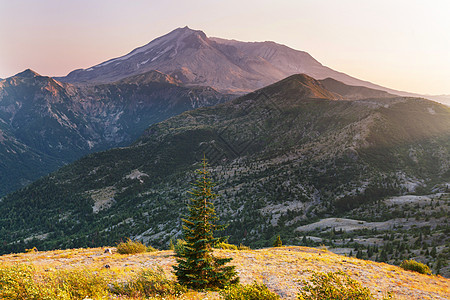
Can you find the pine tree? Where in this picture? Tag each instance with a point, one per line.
(278, 242)
(438, 266)
(171, 245)
(197, 267)
(433, 252)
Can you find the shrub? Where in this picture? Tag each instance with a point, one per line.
(151, 249)
(149, 283)
(253, 291)
(79, 284)
(243, 247)
(180, 246)
(227, 246)
(18, 282)
(334, 285)
(32, 250)
(23, 282)
(130, 247)
(412, 265)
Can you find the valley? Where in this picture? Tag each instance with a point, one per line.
(283, 157)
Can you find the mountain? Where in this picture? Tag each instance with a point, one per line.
(45, 123)
(227, 65)
(282, 156)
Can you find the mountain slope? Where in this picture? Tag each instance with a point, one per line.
(227, 65)
(283, 156)
(45, 123)
(351, 92)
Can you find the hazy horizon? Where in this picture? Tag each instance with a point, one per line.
(403, 45)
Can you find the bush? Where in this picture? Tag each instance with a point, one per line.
(131, 247)
(32, 250)
(334, 285)
(180, 246)
(254, 291)
(18, 282)
(149, 283)
(23, 282)
(412, 265)
(151, 249)
(79, 284)
(242, 247)
(227, 246)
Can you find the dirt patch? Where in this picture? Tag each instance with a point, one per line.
(103, 198)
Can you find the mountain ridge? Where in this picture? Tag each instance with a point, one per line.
(303, 86)
(45, 123)
(229, 66)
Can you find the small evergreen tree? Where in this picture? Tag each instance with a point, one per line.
(171, 245)
(197, 267)
(304, 241)
(438, 266)
(433, 252)
(278, 242)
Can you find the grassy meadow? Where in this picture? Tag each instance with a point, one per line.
(95, 274)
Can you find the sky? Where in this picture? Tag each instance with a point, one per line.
(400, 44)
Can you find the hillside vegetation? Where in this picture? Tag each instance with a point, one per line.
(283, 157)
(280, 269)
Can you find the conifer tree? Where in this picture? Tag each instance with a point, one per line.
(304, 241)
(171, 245)
(197, 267)
(278, 242)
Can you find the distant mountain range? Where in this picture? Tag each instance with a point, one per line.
(45, 123)
(283, 156)
(229, 66)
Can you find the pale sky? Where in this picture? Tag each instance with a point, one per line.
(400, 44)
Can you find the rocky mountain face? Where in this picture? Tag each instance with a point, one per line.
(283, 156)
(45, 123)
(227, 65)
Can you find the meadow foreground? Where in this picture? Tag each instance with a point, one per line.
(281, 269)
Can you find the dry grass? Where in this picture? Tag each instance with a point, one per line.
(281, 269)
